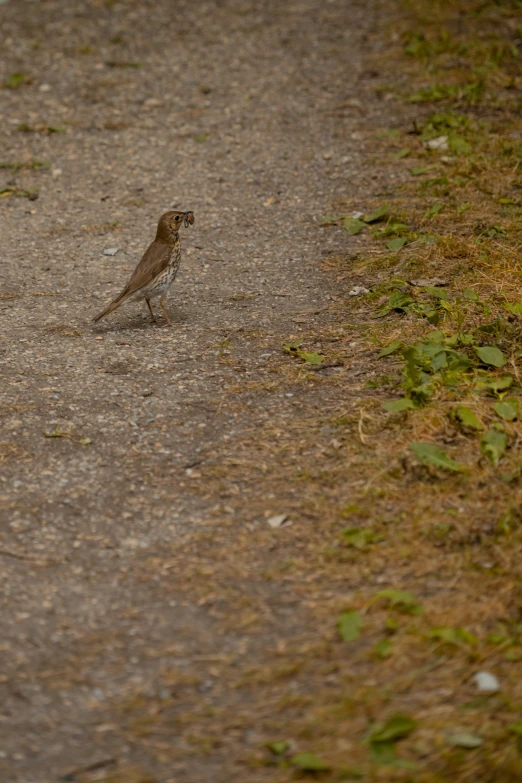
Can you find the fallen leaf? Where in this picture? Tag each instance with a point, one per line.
(430, 454)
(397, 243)
(459, 637)
(467, 418)
(310, 357)
(349, 625)
(377, 214)
(309, 762)
(401, 599)
(360, 538)
(493, 445)
(434, 210)
(279, 747)
(395, 728)
(396, 406)
(464, 739)
(507, 409)
(391, 348)
(353, 226)
(383, 649)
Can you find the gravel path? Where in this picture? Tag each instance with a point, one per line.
(123, 444)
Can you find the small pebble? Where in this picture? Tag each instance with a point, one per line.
(486, 682)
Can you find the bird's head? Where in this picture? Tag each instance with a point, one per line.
(171, 222)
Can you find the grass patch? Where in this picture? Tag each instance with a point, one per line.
(441, 429)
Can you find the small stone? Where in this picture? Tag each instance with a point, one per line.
(429, 281)
(358, 290)
(440, 143)
(278, 520)
(111, 251)
(486, 682)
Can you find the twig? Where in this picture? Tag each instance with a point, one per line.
(70, 776)
(325, 366)
(23, 556)
(359, 428)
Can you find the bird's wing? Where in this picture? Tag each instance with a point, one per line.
(154, 261)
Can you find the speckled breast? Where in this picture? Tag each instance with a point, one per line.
(161, 284)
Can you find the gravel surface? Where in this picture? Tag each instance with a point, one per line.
(118, 439)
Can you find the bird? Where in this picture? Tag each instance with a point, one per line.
(157, 270)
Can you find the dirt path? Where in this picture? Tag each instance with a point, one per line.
(150, 613)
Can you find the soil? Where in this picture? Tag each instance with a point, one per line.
(154, 624)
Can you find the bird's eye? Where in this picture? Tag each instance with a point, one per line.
(178, 218)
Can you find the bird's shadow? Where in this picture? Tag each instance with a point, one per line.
(140, 323)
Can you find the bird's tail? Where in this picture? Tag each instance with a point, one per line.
(113, 305)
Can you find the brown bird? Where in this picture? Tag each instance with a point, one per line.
(157, 269)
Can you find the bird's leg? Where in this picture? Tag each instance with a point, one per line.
(150, 310)
(162, 305)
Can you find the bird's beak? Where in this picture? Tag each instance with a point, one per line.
(188, 219)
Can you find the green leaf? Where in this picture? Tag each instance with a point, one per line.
(402, 600)
(497, 386)
(309, 762)
(465, 739)
(439, 292)
(292, 347)
(459, 637)
(377, 214)
(411, 370)
(459, 145)
(310, 358)
(395, 728)
(467, 418)
(431, 454)
(488, 354)
(331, 219)
(360, 538)
(397, 301)
(383, 754)
(470, 295)
(391, 348)
(402, 153)
(507, 410)
(353, 226)
(515, 308)
(383, 649)
(493, 445)
(397, 243)
(350, 624)
(396, 406)
(434, 210)
(123, 64)
(16, 80)
(278, 747)
(508, 522)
